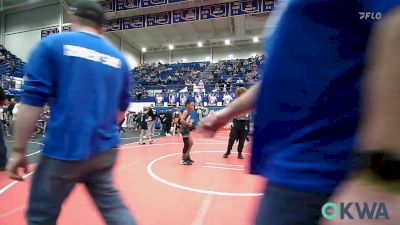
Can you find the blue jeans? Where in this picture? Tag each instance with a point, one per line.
(54, 180)
(285, 206)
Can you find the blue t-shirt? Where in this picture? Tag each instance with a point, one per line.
(88, 82)
(308, 108)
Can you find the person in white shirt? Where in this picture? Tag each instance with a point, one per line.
(212, 99)
(182, 99)
(201, 86)
(198, 99)
(159, 99)
(172, 98)
(227, 98)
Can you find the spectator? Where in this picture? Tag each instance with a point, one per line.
(210, 77)
(221, 82)
(162, 119)
(229, 83)
(198, 100)
(182, 99)
(168, 121)
(151, 123)
(11, 108)
(159, 99)
(239, 82)
(212, 99)
(172, 98)
(227, 98)
(190, 87)
(3, 148)
(201, 86)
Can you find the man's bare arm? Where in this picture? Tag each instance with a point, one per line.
(245, 103)
(25, 124)
(380, 124)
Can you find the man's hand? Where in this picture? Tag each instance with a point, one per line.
(17, 160)
(212, 123)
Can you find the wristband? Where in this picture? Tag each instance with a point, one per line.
(380, 163)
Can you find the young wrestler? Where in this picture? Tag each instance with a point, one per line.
(186, 125)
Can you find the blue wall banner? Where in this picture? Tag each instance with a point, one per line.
(114, 25)
(47, 32)
(177, 16)
(126, 4)
(133, 22)
(245, 7)
(185, 15)
(108, 5)
(214, 11)
(148, 3)
(159, 19)
(268, 5)
(66, 29)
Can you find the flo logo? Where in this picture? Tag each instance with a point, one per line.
(363, 211)
(370, 15)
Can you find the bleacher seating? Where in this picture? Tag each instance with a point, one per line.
(222, 76)
(10, 66)
(219, 78)
(152, 76)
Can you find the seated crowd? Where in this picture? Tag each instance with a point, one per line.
(221, 78)
(165, 74)
(10, 66)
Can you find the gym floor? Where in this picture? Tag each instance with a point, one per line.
(157, 189)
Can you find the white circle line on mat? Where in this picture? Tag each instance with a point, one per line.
(156, 177)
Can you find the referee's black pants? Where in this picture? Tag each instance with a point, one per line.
(238, 132)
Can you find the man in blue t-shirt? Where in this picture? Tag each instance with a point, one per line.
(88, 82)
(308, 105)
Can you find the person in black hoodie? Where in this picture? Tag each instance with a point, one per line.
(168, 121)
(152, 117)
(121, 129)
(162, 118)
(143, 124)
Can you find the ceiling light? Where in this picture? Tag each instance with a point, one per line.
(171, 47)
(144, 49)
(227, 42)
(200, 44)
(256, 39)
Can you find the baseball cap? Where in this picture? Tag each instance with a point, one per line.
(90, 10)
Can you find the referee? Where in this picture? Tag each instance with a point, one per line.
(239, 129)
(87, 78)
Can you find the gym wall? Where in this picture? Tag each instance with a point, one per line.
(22, 31)
(200, 54)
